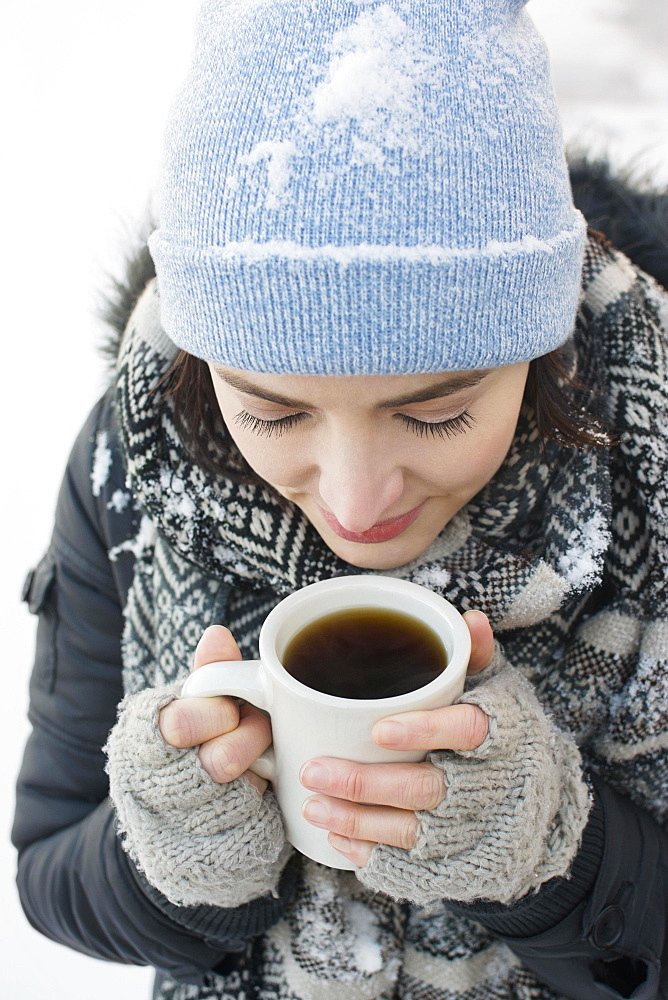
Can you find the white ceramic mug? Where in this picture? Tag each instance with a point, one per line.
(307, 723)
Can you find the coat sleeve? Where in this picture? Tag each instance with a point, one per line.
(76, 884)
(599, 934)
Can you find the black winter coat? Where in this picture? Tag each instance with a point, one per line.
(605, 927)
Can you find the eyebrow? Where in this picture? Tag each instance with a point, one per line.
(445, 387)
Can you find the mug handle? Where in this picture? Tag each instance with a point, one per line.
(237, 679)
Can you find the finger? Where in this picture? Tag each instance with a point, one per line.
(377, 824)
(256, 781)
(482, 641)
(404, 786)
(357, 851)
(217, 643)
(187, 722)
(457, 727)
(227, 757)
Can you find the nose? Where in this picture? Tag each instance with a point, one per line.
(359, 482)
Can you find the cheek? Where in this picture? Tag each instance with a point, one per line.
(259, 452)
(477, 456)
(498, 438)
(273, 459)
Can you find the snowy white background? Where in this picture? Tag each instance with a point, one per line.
(85, 91)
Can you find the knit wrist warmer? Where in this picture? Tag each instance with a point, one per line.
(227, 928)
(197, 841)
(540, 911)
(513, 812)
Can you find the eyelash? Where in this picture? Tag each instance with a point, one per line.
(460, 424)
(266, 428)
(443, 429)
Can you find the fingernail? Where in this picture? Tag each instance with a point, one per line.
(314, 775)
(316, 812)
(390, 733)
(343, 844)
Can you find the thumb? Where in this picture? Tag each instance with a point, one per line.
(482, 641)
(217, 643)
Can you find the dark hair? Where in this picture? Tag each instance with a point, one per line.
(552, 392)
(564, 408)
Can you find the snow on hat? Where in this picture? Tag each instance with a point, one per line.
(363, 187)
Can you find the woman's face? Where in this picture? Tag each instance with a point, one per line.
(378, 463)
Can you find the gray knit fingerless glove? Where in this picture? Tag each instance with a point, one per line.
(513, 812)
(197, 841)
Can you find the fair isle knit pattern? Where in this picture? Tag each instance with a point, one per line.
(566, 550)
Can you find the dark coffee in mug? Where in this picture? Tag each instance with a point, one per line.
(365, 653)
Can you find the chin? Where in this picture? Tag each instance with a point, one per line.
(379, 562)
(379, 556)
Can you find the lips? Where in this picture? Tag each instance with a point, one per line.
(381, 532)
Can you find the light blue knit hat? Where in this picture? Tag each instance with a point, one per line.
(364, 187)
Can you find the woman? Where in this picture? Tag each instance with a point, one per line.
(373, 294)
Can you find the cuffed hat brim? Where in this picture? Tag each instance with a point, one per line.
(283, 308)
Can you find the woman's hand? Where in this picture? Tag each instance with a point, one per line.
(229, 737)
(198, 835)
(365, 804)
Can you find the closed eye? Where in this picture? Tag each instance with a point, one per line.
(460, 424)
(423, 428)
(267, 428)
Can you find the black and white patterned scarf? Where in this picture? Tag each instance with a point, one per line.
(557, 549)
